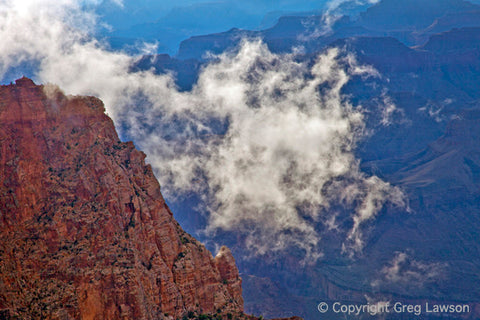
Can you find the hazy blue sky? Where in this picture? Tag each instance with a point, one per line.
(144, 11)
(150, 10)
(170, 22)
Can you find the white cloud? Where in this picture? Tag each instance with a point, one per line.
(435, 110)
(389, 112)
(405, 270)
(266, 140)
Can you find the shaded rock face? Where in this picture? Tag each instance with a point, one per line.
(84, 230)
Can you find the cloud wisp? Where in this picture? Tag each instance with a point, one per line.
(334, 10)
(403, 270)
(267, 141)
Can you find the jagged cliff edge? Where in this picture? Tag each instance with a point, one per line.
(84, 230)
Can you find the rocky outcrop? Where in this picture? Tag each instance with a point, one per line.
(84, 230)
(229, 273)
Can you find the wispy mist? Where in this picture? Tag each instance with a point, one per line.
(403, 270)
(334, 10)
(267, 141)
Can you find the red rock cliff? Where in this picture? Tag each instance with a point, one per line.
(84, 230)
